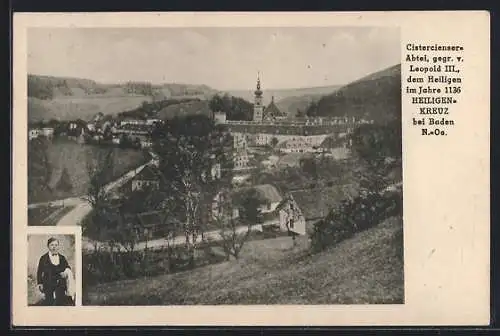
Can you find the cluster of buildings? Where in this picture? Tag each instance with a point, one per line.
(34, 133)
(292, 211)
(104, 129)
(272, 127)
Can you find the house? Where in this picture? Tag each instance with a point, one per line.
(155, 224)
(133, 121)
(148, 177)
(241, 160)
(152, 122)
(267, 192)
(239, 140)
(270, 195)
(302, 208)
(91, 126)
(33, 133)
(219, 207)
(47, 132)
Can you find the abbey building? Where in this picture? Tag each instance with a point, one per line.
(274, 128)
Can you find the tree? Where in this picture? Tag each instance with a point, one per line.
(249, 202)
(236, 108)
(233, 236)
(188, 148)
(39, 168)
(274, 141)
(100, 165)
(300, 114)
(378, 148)
(309, 166)
(312, 109)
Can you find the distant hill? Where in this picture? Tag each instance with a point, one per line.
(281, 94)
(184, 109)
(376, 96)
(70, 98)
(292, 104)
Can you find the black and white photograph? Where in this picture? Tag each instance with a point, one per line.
(51, 270)
(217, 165)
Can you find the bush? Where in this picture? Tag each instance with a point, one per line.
(355, 215)
(105, 266)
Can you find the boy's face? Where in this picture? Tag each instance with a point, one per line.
(54, 246)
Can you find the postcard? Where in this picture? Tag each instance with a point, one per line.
(290, 169)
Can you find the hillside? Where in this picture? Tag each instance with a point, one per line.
(73, 156)
(365, 269)
(290, 105)
(280, 94)
(185, 109)
(376, 96)
(66, 98)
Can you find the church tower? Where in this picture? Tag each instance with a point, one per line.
(258, 108)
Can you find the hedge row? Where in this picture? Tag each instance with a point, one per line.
(355, 215)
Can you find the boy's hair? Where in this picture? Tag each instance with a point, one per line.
(51, 239)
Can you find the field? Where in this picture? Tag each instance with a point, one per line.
(367, 269)
(68, 108)
(73, 156)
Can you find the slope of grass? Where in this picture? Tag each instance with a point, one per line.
(66, 98)
(47, 216)
(365, 269)
(74, 157)
(69, 108)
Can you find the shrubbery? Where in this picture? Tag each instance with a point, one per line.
(355, 215)
(105, 266)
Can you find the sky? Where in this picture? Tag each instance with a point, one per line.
(223, 58)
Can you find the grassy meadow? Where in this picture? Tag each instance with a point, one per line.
(67, 108)
(73, 156)
(366, 269)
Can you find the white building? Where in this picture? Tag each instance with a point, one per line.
(33, 133)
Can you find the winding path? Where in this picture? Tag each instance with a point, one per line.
(83, 208)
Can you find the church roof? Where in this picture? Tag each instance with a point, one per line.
(272, 111)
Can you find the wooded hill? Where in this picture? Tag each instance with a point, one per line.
(376, 96)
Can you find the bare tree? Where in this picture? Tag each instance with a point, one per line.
(233, 235)
(99, 169)
(188, 149)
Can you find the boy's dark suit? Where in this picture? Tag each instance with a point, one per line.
(54, 286)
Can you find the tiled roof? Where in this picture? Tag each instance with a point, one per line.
(318, 202)
(269, 192)
(273, 111)
(332, 142)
